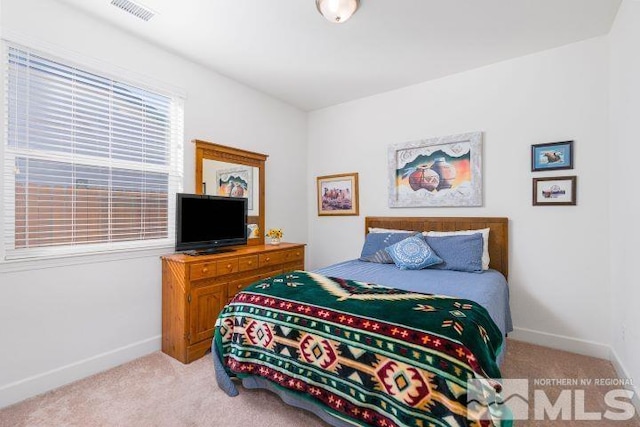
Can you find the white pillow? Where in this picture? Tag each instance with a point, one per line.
(485, 241)
(388, 230)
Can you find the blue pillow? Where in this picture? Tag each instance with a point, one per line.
(412, 253)
(460, 252)
(374, 244)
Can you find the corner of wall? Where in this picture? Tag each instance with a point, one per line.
(624, 374)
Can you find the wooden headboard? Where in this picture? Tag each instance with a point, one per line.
(498, 236)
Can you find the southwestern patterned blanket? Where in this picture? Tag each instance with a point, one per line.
(377, 355)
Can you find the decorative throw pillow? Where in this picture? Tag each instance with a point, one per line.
(374, 244)
(413, 253)
(485, 241)
(460, 253)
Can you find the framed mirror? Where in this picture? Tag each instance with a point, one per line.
(228, 171)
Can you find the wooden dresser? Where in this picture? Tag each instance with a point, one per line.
(196, 288)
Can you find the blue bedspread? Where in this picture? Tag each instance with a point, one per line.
(489, 288)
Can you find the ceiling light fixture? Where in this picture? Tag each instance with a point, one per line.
(337, 11)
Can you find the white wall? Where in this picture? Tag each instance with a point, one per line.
(61, 323)
(625, 201)
(559, 274)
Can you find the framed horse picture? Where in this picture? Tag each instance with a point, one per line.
(338, 194)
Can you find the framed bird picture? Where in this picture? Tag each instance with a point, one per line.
(552, 156)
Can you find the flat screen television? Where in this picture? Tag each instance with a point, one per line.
(205, 224)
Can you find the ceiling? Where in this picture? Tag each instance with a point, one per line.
(284, 48)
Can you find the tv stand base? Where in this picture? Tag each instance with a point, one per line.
(208, 252)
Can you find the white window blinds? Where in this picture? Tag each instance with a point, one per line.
(90, 163)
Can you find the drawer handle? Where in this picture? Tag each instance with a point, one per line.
(267, 259)
(205, 269)
(229, 266)
(250, 262)
(239, 286)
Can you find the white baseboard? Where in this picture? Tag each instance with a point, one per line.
(20, 390)
(624, 374)
(561, 342)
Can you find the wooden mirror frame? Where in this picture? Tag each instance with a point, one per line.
(210, 151)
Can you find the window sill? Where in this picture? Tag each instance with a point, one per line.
(17, 265)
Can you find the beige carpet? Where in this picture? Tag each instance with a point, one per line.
(157, 390)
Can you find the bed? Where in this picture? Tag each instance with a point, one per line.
(353, 347)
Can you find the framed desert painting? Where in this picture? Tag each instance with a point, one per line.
(443, 171)
(236, 182)
(338, 194)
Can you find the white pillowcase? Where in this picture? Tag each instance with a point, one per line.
(485, 241)
(388, 230)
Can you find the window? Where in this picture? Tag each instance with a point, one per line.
(91, 163)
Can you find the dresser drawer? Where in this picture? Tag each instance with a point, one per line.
(202, 270)
(293, 255)
(291, 266)
(247, 263)
(237, 285)
(271, 258)
(227, 267)
(271, 273)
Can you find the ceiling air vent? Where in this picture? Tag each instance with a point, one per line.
(135, 9)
